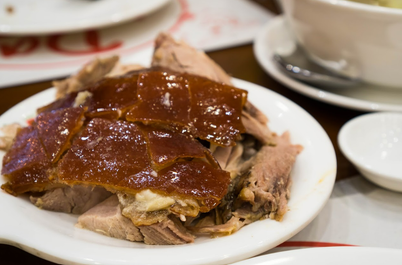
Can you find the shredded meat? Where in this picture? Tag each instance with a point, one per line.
(259, 191)
(180, 57)
(168, 232)
(269, 179)
(90, 73)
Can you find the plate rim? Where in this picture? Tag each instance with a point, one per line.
(326, 182)
(94, 24)
(292, 255)
(261, 53)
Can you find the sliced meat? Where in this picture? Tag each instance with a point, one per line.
(257, 129)
(180, 57)
(269, 179)
(255, 113)
(168, 232)
(91, 73)
(76, 200)
(106, 219)
(230, 227)
(259, 190)
(9, 133)
(222, 155)
(235, 160)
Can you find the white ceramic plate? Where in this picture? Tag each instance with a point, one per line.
(53, 236)
(380, 160)
(330, 256)
(57, 16)
(275, 36)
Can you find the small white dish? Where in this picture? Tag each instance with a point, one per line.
(275, 37)
(57, 16)
(329, 256)
(373, 143)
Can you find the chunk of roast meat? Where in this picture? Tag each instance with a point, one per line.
(76, 200)
(90, 73)
(180, 57)
(167, 232)
(106, 218)
(259, 191)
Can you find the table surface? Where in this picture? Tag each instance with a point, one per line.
(245, 67)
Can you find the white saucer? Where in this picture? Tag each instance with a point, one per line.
(275, 36)
(372, 142)
(57, 16)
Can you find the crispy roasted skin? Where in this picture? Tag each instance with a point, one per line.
(187, 103)
(26, 165)
(115, 155)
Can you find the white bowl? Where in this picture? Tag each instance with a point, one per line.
(373, 143)
(351, 38)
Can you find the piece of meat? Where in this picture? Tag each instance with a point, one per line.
(90, 73)
(259, 190)
(260, 131)
(114, 154)
(168, 232)
(111, 97)
(180, 57)
(121, 69)
(9, 133)
(66, 101)
(26, 165)
(106, 219)
(255, 113)
(267, 186)
(222, 155)
(76, 200)
(228, 228)
(57, 128)
(208, 110)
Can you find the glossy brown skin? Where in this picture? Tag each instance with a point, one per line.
(61, 103)
(26, 164)
(112, 97)
(163, 98)
(105, 153)
(206, 109)
(123, 156)
(162, 146)
(238, 62)
(216, 110)
(56, 128)
(114, 155)
(29, 166)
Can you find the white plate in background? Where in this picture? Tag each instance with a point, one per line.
(275, 35)
(52, 235)
(59, 16)
(330, 256)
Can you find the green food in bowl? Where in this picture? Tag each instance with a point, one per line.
(385, 3)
